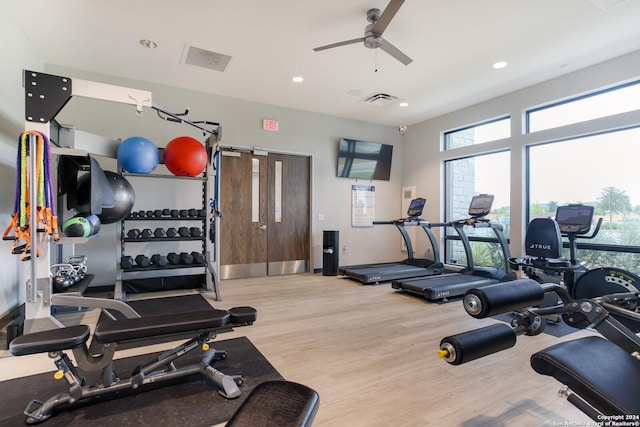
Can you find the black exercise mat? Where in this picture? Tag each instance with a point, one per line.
(192, 402)
(154, 307)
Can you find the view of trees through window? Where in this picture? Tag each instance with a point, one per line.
(599, 171)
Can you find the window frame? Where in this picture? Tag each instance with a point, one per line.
(571, 99)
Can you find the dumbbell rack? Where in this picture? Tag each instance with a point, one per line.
(170, 270)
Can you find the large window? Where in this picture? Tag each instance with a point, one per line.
(464, 178)
(477, 134)
(598, 170)
(618, 100)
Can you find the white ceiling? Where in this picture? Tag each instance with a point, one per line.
(453, 44)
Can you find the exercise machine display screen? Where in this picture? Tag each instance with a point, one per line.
(574, 219)
(480, 205)
(416, 207)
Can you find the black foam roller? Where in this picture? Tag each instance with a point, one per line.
(503, 297)
(478, 343)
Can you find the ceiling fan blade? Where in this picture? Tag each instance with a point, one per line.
(395, 52)
(344, 43)
(386, 17)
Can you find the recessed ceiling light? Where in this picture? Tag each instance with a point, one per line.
(298, 79)
(404, 104)
(148, 43)
(354, 92)
(500, 64)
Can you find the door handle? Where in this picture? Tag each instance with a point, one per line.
(263, 227)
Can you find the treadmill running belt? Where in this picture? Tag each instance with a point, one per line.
(444, 286)
(384, 272)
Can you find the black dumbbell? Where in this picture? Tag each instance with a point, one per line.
(193, 213)
(174, 213)
(198, 258)
(126, 262)
(174, 258)
(134, 233)
(172, 232)
(202, 213)
(186, 258)
(184, 232)
(142, 214)
(146, 233)
(184, 213)
(143, 261)
(159, 260)
(166, 212)
(149, 214)
(195, 232)
(157, 213)
(159, 232)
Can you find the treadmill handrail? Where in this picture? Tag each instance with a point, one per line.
(426, 227)
(497, 229)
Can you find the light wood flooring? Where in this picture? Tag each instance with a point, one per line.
(370, 353)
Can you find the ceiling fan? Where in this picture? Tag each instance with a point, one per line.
(373, 33)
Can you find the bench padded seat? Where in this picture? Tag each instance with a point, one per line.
(51, 340)
(277, 404)
(150, 326)
(597, 370)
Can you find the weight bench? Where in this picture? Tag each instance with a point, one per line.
(600, 378)
(204, 325)
(277, 404)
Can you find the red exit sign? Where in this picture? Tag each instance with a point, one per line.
(271, 125)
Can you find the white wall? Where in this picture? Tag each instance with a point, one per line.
(423, 160)
(17, 54)
(299, 132)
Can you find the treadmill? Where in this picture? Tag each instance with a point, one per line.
(456, 284)
(368, 274)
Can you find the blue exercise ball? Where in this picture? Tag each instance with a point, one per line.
(138, 155)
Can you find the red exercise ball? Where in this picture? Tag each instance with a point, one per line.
(185, 156)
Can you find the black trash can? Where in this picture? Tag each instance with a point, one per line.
(330, 252)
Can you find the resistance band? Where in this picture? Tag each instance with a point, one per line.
(45, 206)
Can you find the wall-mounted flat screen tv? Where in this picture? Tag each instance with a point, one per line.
(364, 160)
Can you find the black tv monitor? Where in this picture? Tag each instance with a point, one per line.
(416, 207)
(364, 160)
(480, 205)
(575, 219)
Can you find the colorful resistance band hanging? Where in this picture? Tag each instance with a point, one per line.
(45, 206)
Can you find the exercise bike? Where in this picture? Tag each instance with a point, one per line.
(544, 263)
(600, 374)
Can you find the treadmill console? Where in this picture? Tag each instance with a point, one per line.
(415, 208)
(574, 219)
(480, 205)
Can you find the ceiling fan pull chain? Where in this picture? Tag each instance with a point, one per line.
(375, 59)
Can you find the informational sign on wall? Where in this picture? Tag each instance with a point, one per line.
(363, 205)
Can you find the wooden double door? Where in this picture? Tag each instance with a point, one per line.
(265, 206)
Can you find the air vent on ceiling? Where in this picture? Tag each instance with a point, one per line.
(207, 59)
(607, 5)
(380, 100)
